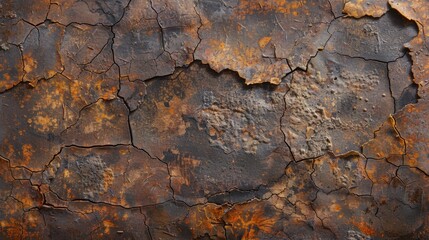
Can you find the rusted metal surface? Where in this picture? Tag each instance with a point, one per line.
(214, 119)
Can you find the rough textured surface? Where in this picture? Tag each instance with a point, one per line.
(360, 8)
(214, 133)
(335, 105)
(134, 119)
(249, 36)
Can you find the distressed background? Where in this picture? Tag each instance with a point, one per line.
(214, 119)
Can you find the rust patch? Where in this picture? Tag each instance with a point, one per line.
(135, 119)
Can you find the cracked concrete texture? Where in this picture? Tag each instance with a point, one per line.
(134, 119)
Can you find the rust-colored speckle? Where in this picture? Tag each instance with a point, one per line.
(214, 119)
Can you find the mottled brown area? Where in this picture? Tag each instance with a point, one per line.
(90, 12)
(210, 129)
(379, 39)
(360, 8)
(335, 105)
(259, 52)
(214, 119)
(119, 175)
(11, 67)
(416, 138)
(347, 171)
(41, 52)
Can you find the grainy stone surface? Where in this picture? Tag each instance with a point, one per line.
(214, 119)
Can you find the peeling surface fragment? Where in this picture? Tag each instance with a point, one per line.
(249, 37)
(419, 47)
(337, 7)
(360, 8)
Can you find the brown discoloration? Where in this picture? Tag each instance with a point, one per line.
(33, 11)
(81, 46)
(418, 46)
(387, 142)
(11, 67)
(87, 12)
(133, 93)
(332, 173)
(419, 51)
(41, 52)
(206, 220)
(404, 90)
(112, 128)
(235, 119)
(335, 104)
(357, 214)
(11, 220)
(251, 221)
(116, 175)
(360, 8)
(95, 221)
(415, 137)
(297, 184)
(154, 37)
(250, 21)
(380, 39)
(44, 113)
(101, 123)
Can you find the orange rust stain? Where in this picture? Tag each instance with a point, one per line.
(29, 63)
(335, 207)
(66, 173)
(251, 221)
(360, 8)
(364, 228)
(45, 123)
(101, 115)
(183, 172)
(107, 225)
(248, 7)
(27, 152)
(170, 118)
(12, 228)
(6, 76)
(206, 219)
(108, 178)
(264, 41)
